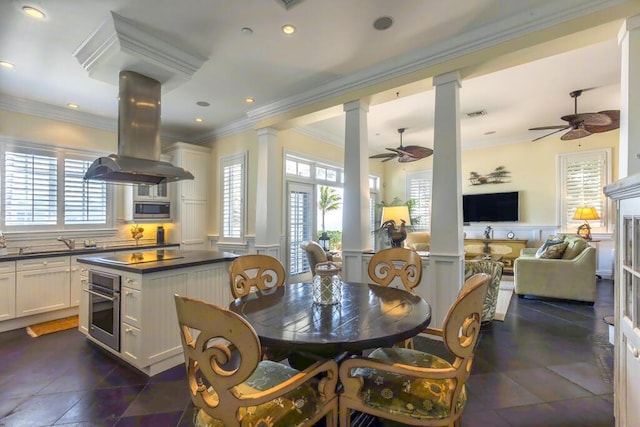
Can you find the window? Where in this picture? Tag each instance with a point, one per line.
(419, 190)
(299, 225)
(43, 189)
(582, 177)
(233, 191)
(85, 202)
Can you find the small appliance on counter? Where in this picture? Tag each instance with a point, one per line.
(160, 235)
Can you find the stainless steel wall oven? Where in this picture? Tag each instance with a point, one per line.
(104, 308)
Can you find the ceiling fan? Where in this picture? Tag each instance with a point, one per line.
(410, 153)
(581, 125)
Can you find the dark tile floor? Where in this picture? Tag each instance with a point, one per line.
(548, 364)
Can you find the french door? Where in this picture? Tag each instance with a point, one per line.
(300, 218)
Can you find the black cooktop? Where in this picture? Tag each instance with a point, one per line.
(144, 256)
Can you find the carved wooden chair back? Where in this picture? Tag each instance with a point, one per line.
(255, 271)
(426, 389)
(233, 386)
(387, 264)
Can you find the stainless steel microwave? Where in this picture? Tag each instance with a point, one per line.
(151, 210)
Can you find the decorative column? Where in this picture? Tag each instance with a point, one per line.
(356, 230)
(268, 194)
(629, 40)
(446, 260)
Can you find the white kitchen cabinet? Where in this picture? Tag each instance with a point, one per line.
(158, 192)
(191, 196)
(79, 275)
(131, 300)
(626, 193)
(7, 290)
(42, 284)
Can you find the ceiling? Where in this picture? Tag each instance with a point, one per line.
(335, 49)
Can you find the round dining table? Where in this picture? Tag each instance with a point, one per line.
(367, 316)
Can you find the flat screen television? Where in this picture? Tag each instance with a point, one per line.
(491, 207)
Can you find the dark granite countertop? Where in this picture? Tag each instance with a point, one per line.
(85, 251)
(188, 259)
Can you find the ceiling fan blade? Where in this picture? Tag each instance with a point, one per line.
(614, 115)
(575, 134)
(383, 155)
(551, 127)
(390, 158)
(544, 136)
(592, 119)
(417, 151)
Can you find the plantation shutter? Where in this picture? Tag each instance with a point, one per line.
(85, 202)
(299, 226)
(584, 176)
(30, 189)
(232, 200)
(419, 190)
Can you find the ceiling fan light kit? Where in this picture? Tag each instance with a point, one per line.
(581, 125)
(405, 154)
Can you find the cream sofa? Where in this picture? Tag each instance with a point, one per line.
(418, 241)
(571, 277)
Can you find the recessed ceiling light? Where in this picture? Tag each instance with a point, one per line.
(246, 30)
(33, 12)
(249, 100)
(73, 106)
(199, 119)
(6, 64)
(490, 132)
(202, 104)
(288, 29)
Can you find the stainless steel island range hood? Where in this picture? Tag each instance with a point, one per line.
(138, 159)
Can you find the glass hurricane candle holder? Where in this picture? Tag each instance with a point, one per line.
(327, 284)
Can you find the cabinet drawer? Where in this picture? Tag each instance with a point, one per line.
(7, 267)
(40, 263)
(131, 306)
(131, 342)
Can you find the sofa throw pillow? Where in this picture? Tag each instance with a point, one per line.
(550, 242)
(554, 251)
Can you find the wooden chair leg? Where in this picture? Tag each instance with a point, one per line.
(345, 416)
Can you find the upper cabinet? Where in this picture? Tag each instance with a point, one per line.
(159, 192)
(195, 159)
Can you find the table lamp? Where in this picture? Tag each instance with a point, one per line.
(585, 213)
(394, 219)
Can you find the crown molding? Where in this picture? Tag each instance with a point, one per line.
(321, 135)
(233, 128)
(120, 43)
(485, 37)
(54, 112)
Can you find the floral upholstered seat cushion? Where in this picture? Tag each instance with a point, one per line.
(293, 409)
(408, 396)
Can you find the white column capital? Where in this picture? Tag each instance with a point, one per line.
(629, 24)
(356, 105)
(267, 132)
(450, 77)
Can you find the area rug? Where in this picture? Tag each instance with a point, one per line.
(504, 297)
(52, 326)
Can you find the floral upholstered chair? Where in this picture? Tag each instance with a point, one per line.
(494, 269)
(232, 386)
(416, 388)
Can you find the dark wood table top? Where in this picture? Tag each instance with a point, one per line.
(368, 316)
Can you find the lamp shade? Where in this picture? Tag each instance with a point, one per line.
(396, 213)
(586, 213)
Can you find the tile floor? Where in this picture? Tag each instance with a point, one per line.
(548, 364)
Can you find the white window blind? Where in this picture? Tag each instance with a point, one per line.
(85, 202)
(299, 229)
(233, 183)
(30, 182)
(419, 190)
(583, 175)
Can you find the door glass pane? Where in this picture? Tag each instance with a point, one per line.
(299, 224)
(628, 241)
(636, 240)
(161, 190)
(628, 294)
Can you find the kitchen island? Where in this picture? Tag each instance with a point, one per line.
(127, 304)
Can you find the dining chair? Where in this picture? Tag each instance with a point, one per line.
(255, 271)
(413, 387)
(230, 384)
(494, 269)
(387, 264)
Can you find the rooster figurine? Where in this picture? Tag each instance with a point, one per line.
(396, 235)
